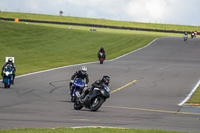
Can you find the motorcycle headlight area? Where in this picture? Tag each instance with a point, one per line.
(7, 73)
(82, 85)
(79, 85)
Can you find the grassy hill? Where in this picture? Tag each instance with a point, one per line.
(38, 47)
(98, 21)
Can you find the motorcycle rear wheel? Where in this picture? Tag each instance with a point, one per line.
(96, 103)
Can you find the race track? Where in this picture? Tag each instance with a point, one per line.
(164, 73)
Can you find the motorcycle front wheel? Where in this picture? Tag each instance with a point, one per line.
(96, 103)
(6, 83)
(73, 98)
(77, 105)
(101, 60)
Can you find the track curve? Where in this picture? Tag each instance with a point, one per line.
(166, 71)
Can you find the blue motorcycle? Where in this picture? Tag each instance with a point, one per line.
(78, 85)
(7, 76)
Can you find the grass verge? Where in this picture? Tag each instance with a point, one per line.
(85, 130)
(195, 99)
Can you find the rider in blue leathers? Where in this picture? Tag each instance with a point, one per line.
(10, 62)
(82, 73)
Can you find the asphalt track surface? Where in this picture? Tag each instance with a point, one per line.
(157, 79)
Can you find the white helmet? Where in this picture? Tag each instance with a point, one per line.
(10, 60)
(83, 69)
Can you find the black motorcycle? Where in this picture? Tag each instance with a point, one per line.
(94, 99)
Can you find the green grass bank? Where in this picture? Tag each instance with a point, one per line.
(38, 47)
(195, 99)
(85, 130)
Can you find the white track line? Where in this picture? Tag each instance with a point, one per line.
(135, 50)
(54, 69)
(190, 95)
(97, 127)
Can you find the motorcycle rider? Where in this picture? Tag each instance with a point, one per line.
(102, 51)
(185, 35)
(97, 84)
(195, 33)
(10, 62)
(82, 73)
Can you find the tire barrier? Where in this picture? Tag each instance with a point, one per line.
(94, 25)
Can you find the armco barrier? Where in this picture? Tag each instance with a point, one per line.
(94, 25)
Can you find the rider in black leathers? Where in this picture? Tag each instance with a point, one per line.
(10, 62)
(82, 73)
(102, 51)
(97, 84)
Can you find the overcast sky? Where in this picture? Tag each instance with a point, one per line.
(184, 12)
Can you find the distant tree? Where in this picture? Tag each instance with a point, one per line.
(61, 12)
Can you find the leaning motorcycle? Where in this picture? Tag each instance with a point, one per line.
(94, 99)
(7, 76)
(77, 86)
(101, 57)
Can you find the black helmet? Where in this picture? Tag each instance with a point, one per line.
(102, 49)
(106, 79)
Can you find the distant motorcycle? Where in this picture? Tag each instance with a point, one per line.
(94, 99)
(7, 76)
(101, 57)
(77, 86)
(192, 35)
(185, 37)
